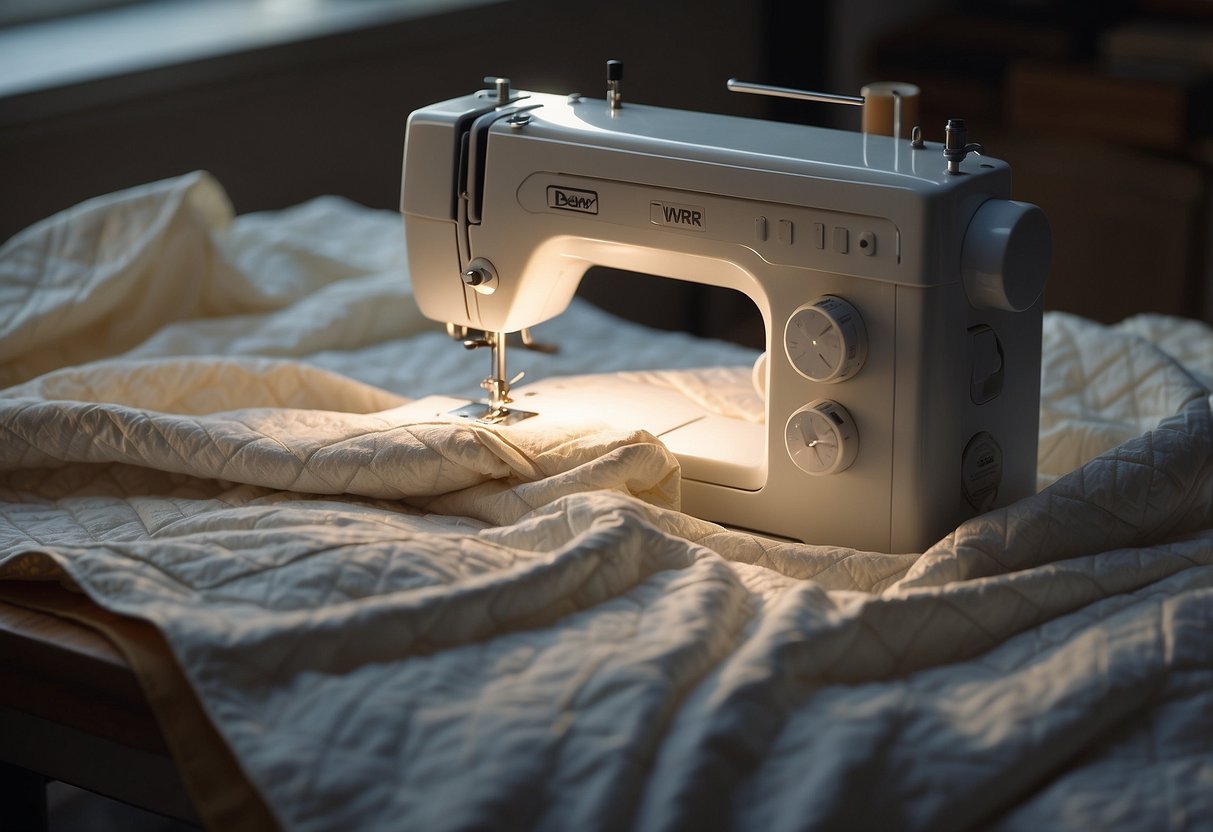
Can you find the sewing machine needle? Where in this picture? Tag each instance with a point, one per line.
(496, 384)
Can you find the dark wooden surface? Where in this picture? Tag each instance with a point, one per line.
(72, 708)
(58, 669)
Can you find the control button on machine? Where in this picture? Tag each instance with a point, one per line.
(481, 276)
(981, 471)
(821, 438)
(985, 374)
(785, 232)
(826, 340)
(819, 235)
(841, 240)
(760, 228)
(867, 243)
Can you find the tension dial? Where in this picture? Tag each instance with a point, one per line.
(826, 340)
(821, 438)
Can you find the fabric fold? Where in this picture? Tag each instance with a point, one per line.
(402, 622)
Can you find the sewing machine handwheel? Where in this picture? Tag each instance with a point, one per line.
(1005, 258)
(826, 340)
(821, 438)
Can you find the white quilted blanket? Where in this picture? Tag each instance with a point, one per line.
(398, 625)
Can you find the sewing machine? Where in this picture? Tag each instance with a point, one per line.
(899, 285)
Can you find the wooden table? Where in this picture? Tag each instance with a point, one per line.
(72, 709)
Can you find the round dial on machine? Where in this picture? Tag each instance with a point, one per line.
(826, 340)
(821, 438)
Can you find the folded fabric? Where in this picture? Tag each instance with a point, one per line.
(402, 623)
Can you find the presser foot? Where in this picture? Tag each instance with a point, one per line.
(487, 414)
(494, 411)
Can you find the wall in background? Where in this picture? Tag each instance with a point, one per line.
(324, 113)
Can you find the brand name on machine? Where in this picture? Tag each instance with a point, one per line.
(681, 216)
(572, 199)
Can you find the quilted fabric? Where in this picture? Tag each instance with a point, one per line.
(402, 624)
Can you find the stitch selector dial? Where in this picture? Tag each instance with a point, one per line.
(821, 438)
(826, 340)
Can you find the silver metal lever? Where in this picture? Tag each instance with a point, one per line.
(787, 92)
(529, 342)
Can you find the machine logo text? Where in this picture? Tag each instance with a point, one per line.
(681, 216)
(572, 199)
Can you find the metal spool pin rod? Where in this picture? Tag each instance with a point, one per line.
(787, 92)
(735, 85)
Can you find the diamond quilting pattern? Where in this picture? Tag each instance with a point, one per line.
(420, 625)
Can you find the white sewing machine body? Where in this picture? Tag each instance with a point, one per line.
(936, 391)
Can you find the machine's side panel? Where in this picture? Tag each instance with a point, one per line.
(429, 203)
(433, 256)
(1003, 376)
(431, 161)
(926, 494)
(967, 418)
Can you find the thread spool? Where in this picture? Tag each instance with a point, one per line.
(880, 106)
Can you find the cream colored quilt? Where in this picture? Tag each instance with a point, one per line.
(403, 625)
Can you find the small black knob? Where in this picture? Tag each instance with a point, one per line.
(955, 134)
(614, 70)
(477, 276)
